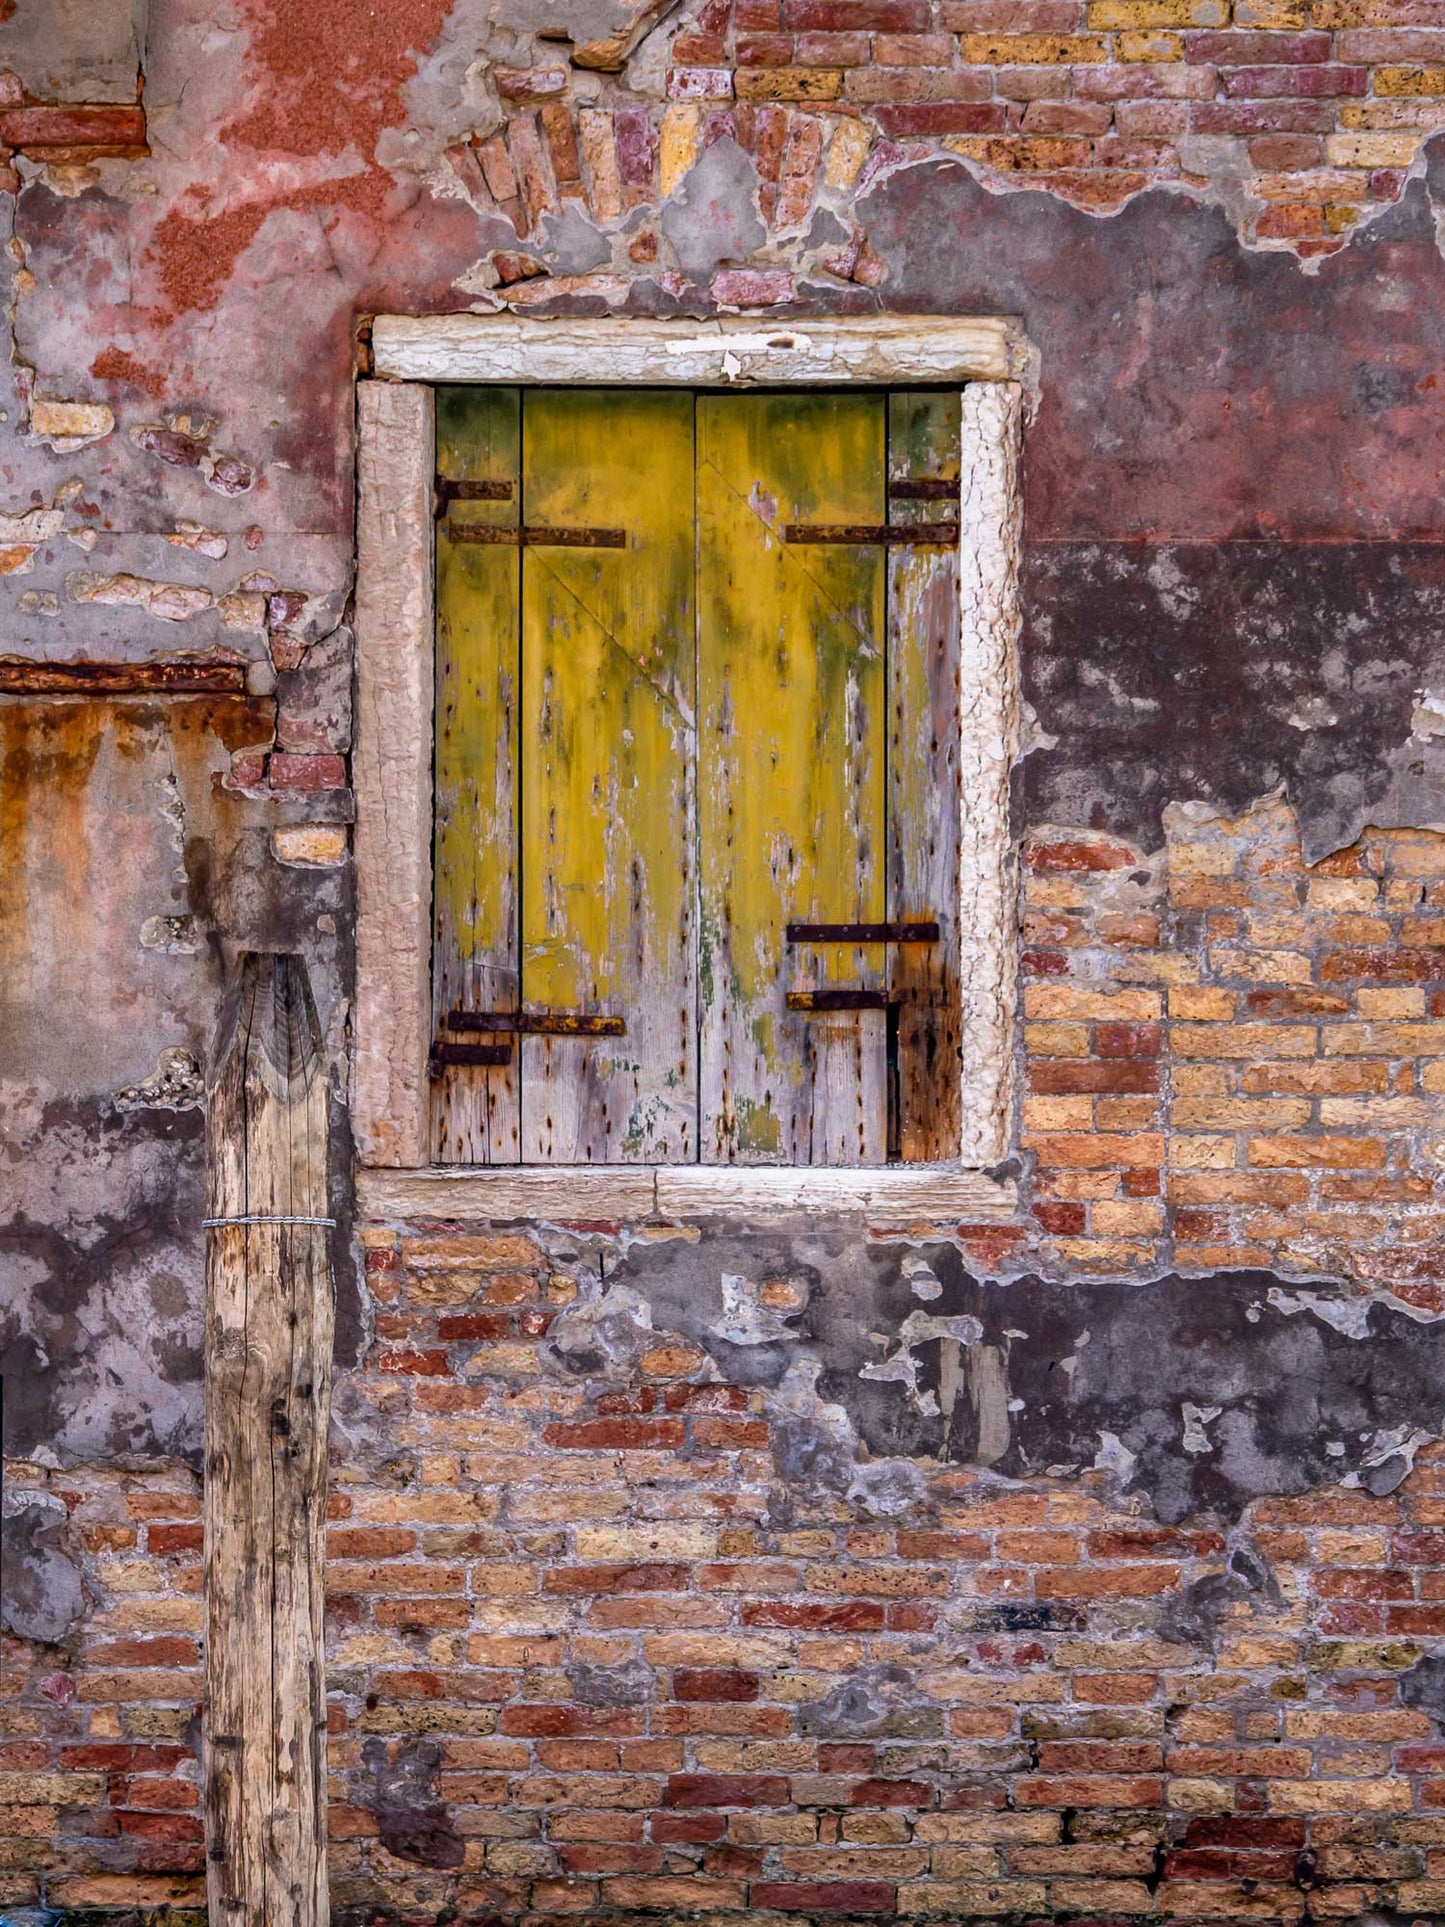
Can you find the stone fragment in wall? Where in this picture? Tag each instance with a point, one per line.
(314, 698)
(243, 609)
(42, 1592)
(509, 266)
(602, 33)
(196, 536)
(176, 1083)
(228, 474)
(176, 936)
(169, 445)
(64, 426)
(612, 288)
(310, 846)
(169, 601)
(873, 1702)
(530, 83)
(751, 287)
(21, 536)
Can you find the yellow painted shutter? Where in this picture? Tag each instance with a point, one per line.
(688, 695)
(476, 1116)
(792, 775)
(608, 695)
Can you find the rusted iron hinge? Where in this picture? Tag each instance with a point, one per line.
(813, 1003)
(449, 490)
(889, 535)
(538, 1023)
(862, 933)
(924, 488)
(444, 1055)
(535, 538)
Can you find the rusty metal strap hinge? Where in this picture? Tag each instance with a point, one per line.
(445, 1055)
(886, 535)
(924, 488)
(449, 491)
(538, 1023)
(817, 1003)
(533, 537)
(926, 932)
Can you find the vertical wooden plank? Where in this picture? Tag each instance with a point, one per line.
(476, 1110)
(991, 541)
(392, 769)
(268, 1343)
(923, 637)
(792, 753)
(607, 752)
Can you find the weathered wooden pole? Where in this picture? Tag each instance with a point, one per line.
(268, 1381)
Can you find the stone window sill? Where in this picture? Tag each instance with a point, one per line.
(630, 1193)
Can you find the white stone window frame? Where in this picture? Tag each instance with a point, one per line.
(396, 654)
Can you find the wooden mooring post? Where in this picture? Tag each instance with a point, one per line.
(268, 1337)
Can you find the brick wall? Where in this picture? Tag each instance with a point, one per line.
(1234, 1059)
(582, 1667)
(1308, 113)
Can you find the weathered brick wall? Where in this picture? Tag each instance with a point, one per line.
(1310, 110)
(583, 1663)
(1088, 1564)
(1234, 1058)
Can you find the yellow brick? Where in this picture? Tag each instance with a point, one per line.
(1432, 1077)
(1149, 46)
(1092, 1006)
(1342, 893)
(632, 1545)
(1126, 1113)
(1261, 966)
(1201, 1003)
(1104, 1254)
(1221, 1257)
(1347, 1796)
(1390, 1003)
(1032, 49)
(1309, 1153)
(1354, 1548)
(1199, 1080)
(1127, 1217)
(1388, 116)
(1108, 15)
(847, 152)
(1383, 1040)
(1202, 859)
(1371, 150)
(1272, 13)
(1079, 1187)
(1056, 1040)
(1238, 1114)
(1378, 1113)
(1246, 1040)
(1202, 1153)
(788, 83)
(1058, 1113)
(678, 146)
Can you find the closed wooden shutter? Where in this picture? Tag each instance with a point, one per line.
(696, 770)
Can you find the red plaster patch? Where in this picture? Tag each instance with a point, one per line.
(118, 364)
(330, 77)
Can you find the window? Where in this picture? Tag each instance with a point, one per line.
(682, 782)
(695, 869)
